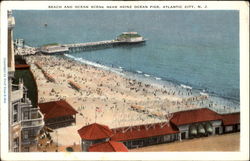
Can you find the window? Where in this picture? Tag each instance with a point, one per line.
(217, 130)
(15, 113)
(32, 132)
(26, 115)
(238, 127)
(15, 118)
(16, 149)
(15, 108)
(16, 142)
(26, 149)
(25, 134)
(34, 115)
(183, 135)
(229, 128)
(167, 138)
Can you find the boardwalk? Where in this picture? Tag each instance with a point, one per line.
(106, 42)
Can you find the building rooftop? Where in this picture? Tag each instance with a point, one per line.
(231, 119)
(21, 66)
(194, 116)
(110, 146)
(143, 131)
(95, 131)
(56, 109)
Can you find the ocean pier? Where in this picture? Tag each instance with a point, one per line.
(124, 38)
(78, 47)
(91, 45)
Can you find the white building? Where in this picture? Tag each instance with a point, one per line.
(25, 121)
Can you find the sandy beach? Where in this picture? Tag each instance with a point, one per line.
(106, 97)
(212, 143)
(226, 142)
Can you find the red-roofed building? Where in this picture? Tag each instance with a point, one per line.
(182, 125)
(58, 113)
(94, 133)
(231, 122)
(109, 146)
(144, 135)
(22, 66)
(197, 122)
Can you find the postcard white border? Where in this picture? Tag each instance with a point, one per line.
(243, 9)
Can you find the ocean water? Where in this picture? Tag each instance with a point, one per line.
(195, 48)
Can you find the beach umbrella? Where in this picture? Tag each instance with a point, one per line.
(201, 129)
(209, 128)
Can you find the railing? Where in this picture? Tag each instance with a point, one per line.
(33, 122)
(25, 103)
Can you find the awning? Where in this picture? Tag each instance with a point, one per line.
(193, 130)
(201, 129)
(209, 128)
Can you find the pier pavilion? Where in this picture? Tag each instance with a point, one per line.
(54, 49)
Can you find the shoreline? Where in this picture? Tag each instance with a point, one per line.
(157, 81)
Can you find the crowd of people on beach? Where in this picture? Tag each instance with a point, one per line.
(104, 94)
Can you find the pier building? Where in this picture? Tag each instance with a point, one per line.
(25, 121)
(53, 49)
(130, 37)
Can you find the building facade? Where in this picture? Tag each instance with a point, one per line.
(93, 134)
(25, 121)
(58, 114)
(197, 123)
(146, 135)
(183, 125)
(231, 122)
